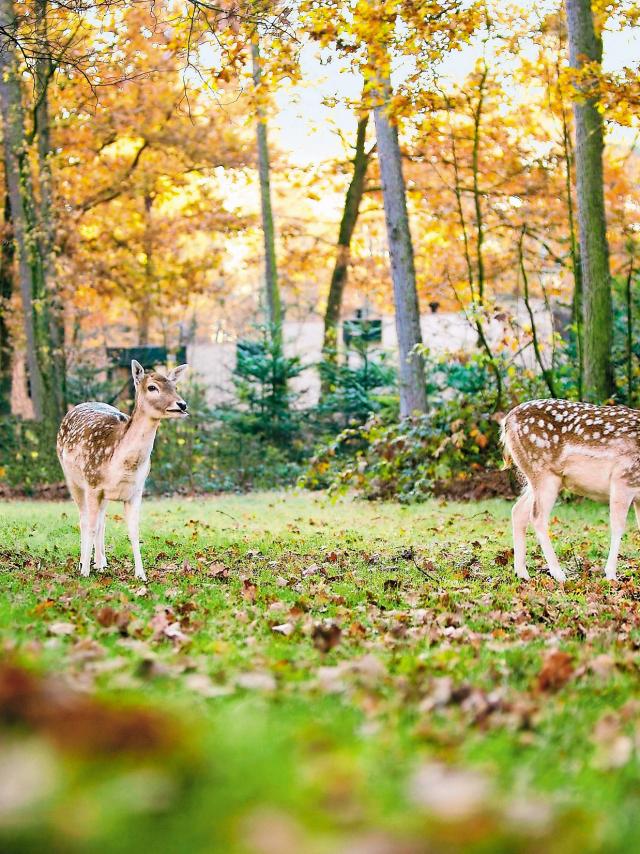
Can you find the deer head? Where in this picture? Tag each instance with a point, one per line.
(156, 394)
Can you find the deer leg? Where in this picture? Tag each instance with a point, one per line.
(77, 493)
(100, 556)
(91, 510)
(519, 521)
(545, 493)
(619, 502)
(132, 515)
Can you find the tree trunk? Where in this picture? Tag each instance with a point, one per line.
(47, 230)
(412, 383)
(30, 268)
(629, 307)
(347, 225)
(6, 289)
(144, 312)
(586, 46)
(576, 303)
(477, 196)
(274, 306)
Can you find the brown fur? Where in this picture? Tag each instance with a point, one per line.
(590, 450)
(105, 455)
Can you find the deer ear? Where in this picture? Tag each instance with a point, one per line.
(175, 375)
(137, 372)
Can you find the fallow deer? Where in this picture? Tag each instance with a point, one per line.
(105, 455)
(587, 449)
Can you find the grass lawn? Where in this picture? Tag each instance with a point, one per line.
(300, 676)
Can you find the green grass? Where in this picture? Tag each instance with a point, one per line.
(425, 728)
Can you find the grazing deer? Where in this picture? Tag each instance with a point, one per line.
(105, 455)
(590, 450)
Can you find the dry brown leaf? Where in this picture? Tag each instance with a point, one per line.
(557, 669)
(249, 590)
(326, 636)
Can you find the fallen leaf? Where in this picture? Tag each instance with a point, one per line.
(602, 665)
(285, 629)
(87, 649)
(76, 722)
(557, 669)
(450, 794)
(439, 696)
(202, 684)
(326, 636)
(28, 774)
(614, 746)
(249, 590)
(61, 629)
(108, 617)
(256, 681)
(219, 570)
(173, 631)
(164, 624)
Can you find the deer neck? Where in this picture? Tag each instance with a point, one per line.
(140, 435)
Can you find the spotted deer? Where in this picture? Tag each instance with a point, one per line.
(587, 449)
(105, 455)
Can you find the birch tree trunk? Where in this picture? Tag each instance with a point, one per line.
(47, 225)
(274, 306)
(6, 290)
(145, 305)
(585, 46)
(348, 222)
(30, 270)
(412, 383)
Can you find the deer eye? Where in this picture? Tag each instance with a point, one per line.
(152, 388)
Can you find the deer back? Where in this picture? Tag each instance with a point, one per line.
(88, 436)
(558, 435)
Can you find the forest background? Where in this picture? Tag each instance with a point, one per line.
(177, 172)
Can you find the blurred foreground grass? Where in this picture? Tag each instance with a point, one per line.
(298, 676)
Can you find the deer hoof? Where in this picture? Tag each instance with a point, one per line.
(558, 575)
(611, 576)
(523, 574)
(142, 576)
(85, 572)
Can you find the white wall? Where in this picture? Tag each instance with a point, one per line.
(442, 333)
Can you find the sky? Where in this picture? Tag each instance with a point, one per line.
(308, 129)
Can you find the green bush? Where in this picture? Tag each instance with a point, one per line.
(208, 453)
(352, 395)
(264, 400)
(203, 453)
(405, 459)
(85, 382)
(27, 454)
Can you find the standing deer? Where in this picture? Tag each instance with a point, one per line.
(590, 450)
(105, 455)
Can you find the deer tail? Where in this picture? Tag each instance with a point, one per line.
(507, 458)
